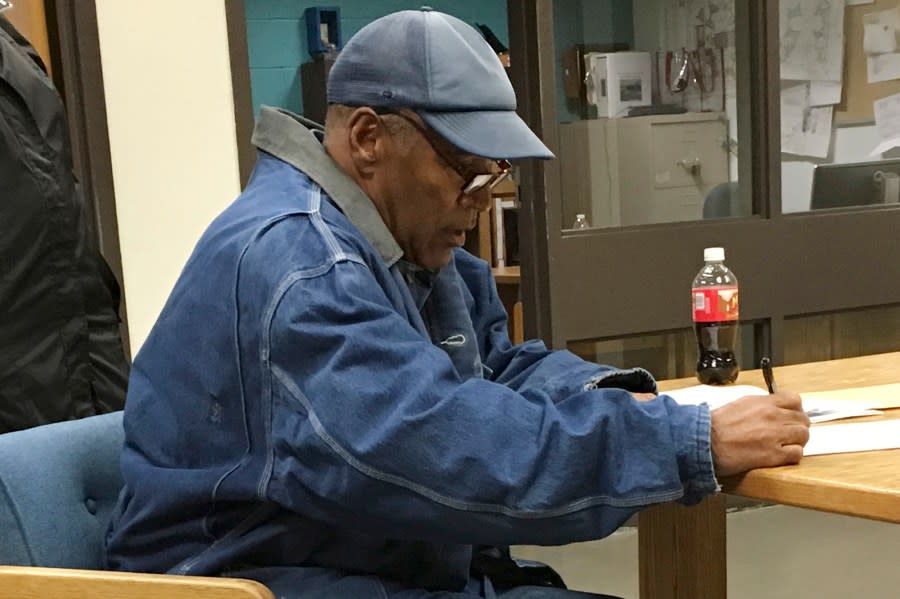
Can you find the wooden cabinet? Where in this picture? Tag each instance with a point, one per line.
(641, 170)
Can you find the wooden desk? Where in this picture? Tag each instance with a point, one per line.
(682, 550)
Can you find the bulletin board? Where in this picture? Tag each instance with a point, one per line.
(858, 94)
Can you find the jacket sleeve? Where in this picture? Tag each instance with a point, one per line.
(373, 428)
(530, 368)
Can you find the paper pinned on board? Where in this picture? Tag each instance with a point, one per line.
(805, 129)
(824, 93)
(879, 39)
(812, 39)
(880, 44)
(883, 67)
(889, 18)
(887, 123)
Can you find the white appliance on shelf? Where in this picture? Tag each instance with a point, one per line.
(616, 81)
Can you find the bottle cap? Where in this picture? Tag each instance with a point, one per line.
(714, 254)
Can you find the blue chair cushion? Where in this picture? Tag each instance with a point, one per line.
(58, 485)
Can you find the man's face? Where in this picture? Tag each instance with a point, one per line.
(428, 213)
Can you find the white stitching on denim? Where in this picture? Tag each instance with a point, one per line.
(450, 502)
(457, 340)
(594, 381)
(263, 475)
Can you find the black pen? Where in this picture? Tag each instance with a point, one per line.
(766, 365)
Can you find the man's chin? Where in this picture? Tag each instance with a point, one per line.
(436, 261)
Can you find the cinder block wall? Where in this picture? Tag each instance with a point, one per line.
(276, 37)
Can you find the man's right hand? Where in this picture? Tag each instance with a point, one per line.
(758, 431)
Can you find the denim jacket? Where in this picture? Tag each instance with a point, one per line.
(307, 399)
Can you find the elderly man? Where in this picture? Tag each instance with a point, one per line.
(330, 403)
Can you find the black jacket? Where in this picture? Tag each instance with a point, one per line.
(61, 355)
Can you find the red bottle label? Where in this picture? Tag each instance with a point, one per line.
(714, 304)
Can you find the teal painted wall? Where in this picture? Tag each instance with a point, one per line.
(587, 22)
(276, 37)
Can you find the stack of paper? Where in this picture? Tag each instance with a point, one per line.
(822, 406)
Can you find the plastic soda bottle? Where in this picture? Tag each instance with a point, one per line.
(581, 222)
(714, 295)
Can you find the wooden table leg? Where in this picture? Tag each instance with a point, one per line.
(682, 551)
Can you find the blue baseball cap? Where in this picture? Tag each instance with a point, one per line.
(444, 70)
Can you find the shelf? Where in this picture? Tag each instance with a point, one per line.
(506, 275)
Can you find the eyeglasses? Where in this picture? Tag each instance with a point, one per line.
(473, 182)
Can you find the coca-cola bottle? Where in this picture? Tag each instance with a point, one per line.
(715, 306)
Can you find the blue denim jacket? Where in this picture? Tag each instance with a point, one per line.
(307, 399)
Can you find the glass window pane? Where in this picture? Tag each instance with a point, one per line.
(833, 156)
(647, 111)
(667, 355)
(842, 334)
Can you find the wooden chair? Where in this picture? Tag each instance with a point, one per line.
(23, 582)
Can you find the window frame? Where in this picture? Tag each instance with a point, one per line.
(788, 265)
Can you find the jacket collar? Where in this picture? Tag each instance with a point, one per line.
(297, 141)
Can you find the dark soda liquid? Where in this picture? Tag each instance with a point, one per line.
(716, 341)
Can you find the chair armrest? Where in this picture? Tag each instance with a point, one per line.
(25, 582)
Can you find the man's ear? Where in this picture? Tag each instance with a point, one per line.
(367, 137)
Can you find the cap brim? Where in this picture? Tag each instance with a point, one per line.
(497, 134)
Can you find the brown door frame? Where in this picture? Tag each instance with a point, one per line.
(236, 26)
(606, 283)
(78, 76)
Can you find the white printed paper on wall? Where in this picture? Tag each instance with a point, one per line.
(880, 44)
(812, 39)
(887, 123)
(824, 93)
(805, 129)
(879, 39)
(883, 67)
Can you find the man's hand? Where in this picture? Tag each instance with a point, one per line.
(757, 431)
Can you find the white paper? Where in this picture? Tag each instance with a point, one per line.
(883, 67)
(805, 129)
(855, 2)
(887, 123)
(824, 93)
(818, 410)
(853, 436)
(879, 39)
(812, 39)
(889, 18)
(882, 397)
(712, 395)
(822, 410)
